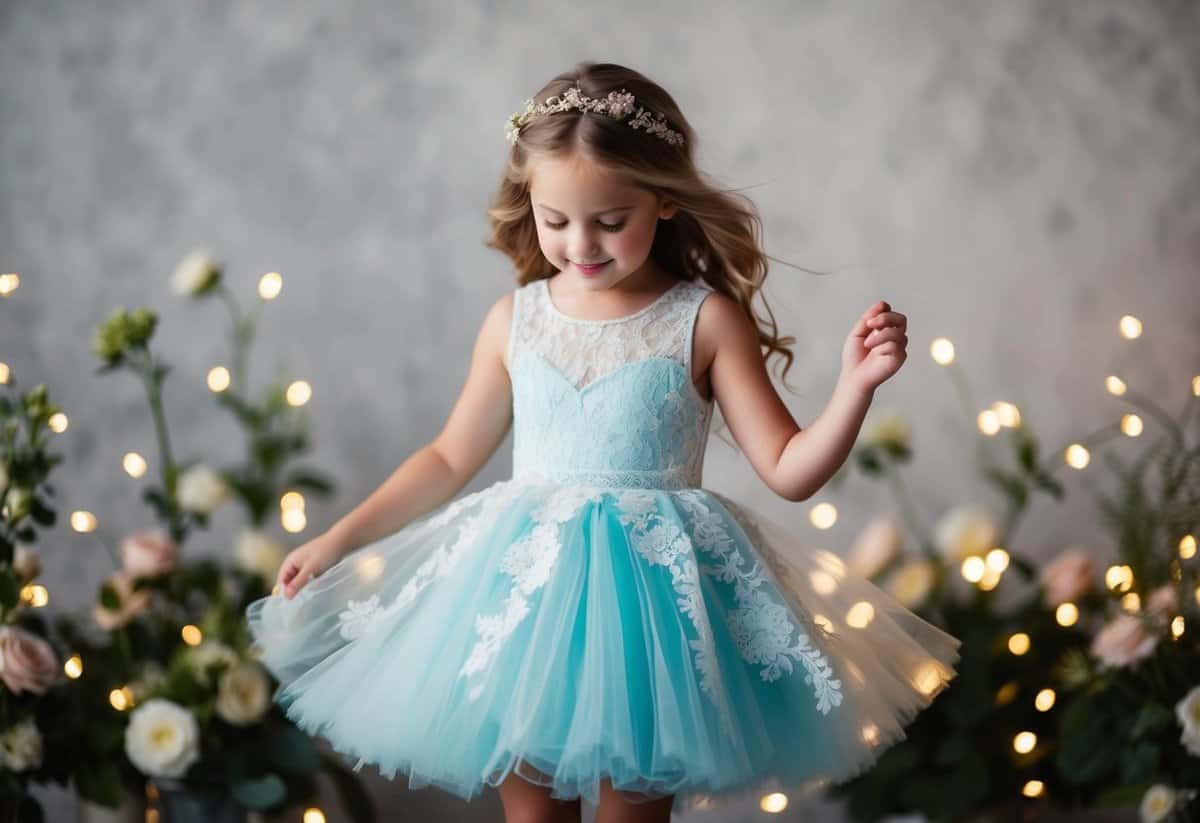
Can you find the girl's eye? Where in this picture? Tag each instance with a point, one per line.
(613, 227)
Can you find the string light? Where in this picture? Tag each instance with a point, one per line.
(1131, 602)
(293, 520)
(191, 635)
(1024, 742)
(942, 351)
(773, 803)
(73, 668)
(860, 615)
(823, 515)
(35, 595)
(1066, 614)
(973, 568)
(1115, 385)
(299, 393)
(1177, 626)
(988, 422)
(1018, 644)
(5, 372)
(9, 283)
(121, 699)
(997, 559)
(57, 422)
(269, 285)
(134, 464)
(1196, 385)
(1187, 547)
(1033, 788)
(314, 815)
(1007, 693)
(1007, 413)
(1076, 456)
(1044, 700)
(1130, 327)
(218, 379)
(83, 521)
(1119, 578)
(1131, 425)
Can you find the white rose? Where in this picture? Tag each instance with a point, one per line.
(887, 428)
(1188, 712)
(244, 694)
(964, 531)
(911, 583)
(201, 489)
(209, 653)
(877, 544)
(21, 747)
(1157, 803)
(195, 274)
(162, 738)
(258, 553)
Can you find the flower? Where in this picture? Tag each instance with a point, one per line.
(201, 489)
(162, 738)
(196, 274)
(132, 602)
(26, 563)
(210, 653)
(27, 662)
(890, 431)
(1157, 803)
(911, 583)
(17, 503)
(153, 675)
(243, 694)
(122, 330)
(148, 553)
(1067, 577)
(1188, 712)
(964, 531)
(877, 544)
(1163, 602)
(21, 746)
(258, 553)
(1123, 641)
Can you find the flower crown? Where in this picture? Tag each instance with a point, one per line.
(618, 105)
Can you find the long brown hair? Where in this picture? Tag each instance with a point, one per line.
(715, 235)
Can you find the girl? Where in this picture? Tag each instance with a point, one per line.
(600, 625)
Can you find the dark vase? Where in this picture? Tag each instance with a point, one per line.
(179, 803)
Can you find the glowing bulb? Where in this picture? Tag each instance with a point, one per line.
(1007, 414)
(823, 515)
(1119, 578)
(1115, 385)
(988, 422)
(990, 579)
(870, 734)
(1131, 425)
(928, 679)
(218, 379)
(35, 595)
(57, 422)
(291, 500)
(973, 568)
(9, 283)
(1024, 742)
(1066, 614)
(824, 622)
(1177, 626)
(1044, 700)
(1077, 456)
(121, 699)
(773, 803)
(1033, 788)
(293, 520)
(83, 521)
(1131, 602)
(4, 373)
(299, 393)
(1195, 385)
(1018, 644)
(1187, 547)
(942, 351)
(997, 559)
(191, 635)
(269, 285)
(73, 668)
(134, 464)
(1007, 693)
(860, 615)
(1130, 326)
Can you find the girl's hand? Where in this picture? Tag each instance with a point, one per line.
(307, 561)
(876, 347)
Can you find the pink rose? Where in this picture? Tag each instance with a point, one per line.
(1163, 602)
(1067, 577)
(1123, 641)
(132, 602)
(27, 662)
(148, 553)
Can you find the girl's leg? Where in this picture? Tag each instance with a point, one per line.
(614, 808)
(526, 802)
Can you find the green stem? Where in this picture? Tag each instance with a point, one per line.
(908, 509)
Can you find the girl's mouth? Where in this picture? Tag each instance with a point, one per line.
(591, 269)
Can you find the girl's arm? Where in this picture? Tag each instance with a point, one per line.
(437, 471)
(794, 463)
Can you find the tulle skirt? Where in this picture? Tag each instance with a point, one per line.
(668, 641)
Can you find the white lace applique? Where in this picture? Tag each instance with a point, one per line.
(357, 616)
(529, 562)
(762, 628)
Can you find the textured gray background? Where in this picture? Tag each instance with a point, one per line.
(1012, 175)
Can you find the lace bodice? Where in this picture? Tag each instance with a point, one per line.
(607, 402)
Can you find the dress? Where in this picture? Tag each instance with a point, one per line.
(599, 613)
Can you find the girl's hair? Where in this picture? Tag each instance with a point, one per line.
(714, 234)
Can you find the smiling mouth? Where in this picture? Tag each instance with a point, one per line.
(592, 265)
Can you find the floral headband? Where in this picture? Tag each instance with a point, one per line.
(617, 105)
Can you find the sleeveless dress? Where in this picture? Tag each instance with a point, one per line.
(600, 614)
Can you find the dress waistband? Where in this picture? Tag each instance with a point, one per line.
(674, 478)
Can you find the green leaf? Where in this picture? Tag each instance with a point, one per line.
(1152, 718)
(291, 751)
(10, 589)
(261, 793)
(1138, 763)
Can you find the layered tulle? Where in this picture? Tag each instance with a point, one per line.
(670, 641)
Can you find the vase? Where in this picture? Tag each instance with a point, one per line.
(177, 802)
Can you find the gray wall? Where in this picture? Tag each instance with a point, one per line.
(1014, 176)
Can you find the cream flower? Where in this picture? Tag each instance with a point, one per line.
(21, 747)
(133, 602)
(258, 553)
(243, 694)
(201, 489)
(888, 429)
(209, 653)
(1123, 641)
(964, 531)
(912, 582)
(149, 553)
(1067, 577)
(17, 503)
(162, 738)
(1157, 803)
(195, 274)
(1187, 710)
(877, 544)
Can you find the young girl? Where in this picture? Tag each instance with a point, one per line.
(600, 625)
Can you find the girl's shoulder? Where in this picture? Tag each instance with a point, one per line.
(720, 322)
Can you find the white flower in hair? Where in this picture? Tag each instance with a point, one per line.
(618, 105)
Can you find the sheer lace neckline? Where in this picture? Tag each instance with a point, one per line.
(545, 281)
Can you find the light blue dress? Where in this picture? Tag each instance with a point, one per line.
(600, 614)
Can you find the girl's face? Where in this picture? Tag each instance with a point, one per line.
(587, 214)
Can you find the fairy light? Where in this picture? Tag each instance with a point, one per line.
(1007, 693)
(823, 582)
(988, 422)
(269, 285)
(1033, 788)
(1024, 742)
(291, 500)
(1130, 327)
(1131, 425)
(121, 699)
(58, 422)
(1044, 700)
(1177, 626)
(1119, 578)
(1077, 456)
(1007, 414)
(973, 568)
(83, 521)
(1066, 614)
(191, 635)
(1187, 547)
(299, 393)
(133, 464)
(997, 559)
(73, 667)
(1018, 643)
(773, 803)
(928, 679)
(942, 351)
(824, 622)
(4, 373)
(823, 515)
(1131, 602)
(9, 283)
(313, 815)
(293, 520)
(1115, 385)
(35, 595)
(218, 379)
(860, 615)
(1196, 385)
